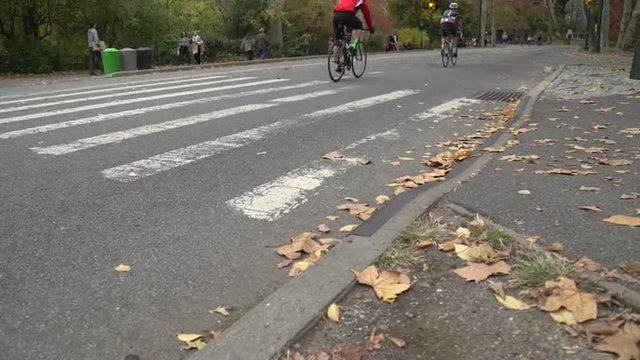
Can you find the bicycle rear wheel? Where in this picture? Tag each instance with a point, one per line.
(454, 57)
(445, 54)
(336, 68)
(359, 61)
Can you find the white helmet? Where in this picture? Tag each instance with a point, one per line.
(453, 6)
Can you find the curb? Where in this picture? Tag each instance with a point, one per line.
(292, 310)
(626, 295)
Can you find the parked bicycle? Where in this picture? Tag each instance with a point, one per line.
(343, 57)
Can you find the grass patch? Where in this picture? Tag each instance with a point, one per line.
(494, 236)
(534, 268)
(430, 229)
(400, 255)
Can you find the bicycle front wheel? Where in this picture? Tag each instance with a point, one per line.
(454, 57)
(445, 54)
(359, 61)
(335, 63)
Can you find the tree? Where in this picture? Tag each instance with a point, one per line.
(624, 22)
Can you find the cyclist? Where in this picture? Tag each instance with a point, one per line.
(344, 14)
(449, 24)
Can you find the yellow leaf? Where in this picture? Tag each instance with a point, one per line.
(123, 268)
(300, 267)
(462, 251)
(332, 217)
(398, 342)
(220, 310)
(333, 155)
(348, 228)
(563, 293)
(495, 149)
(449, 245)
(463, 232)
(623, 220)
(478, 272)
(479, 253)
(189, 337)
(387, 285)
(564, 316)
(333, 313)
(512, 303)
(524, 192)
(368, 276)
(381, 199)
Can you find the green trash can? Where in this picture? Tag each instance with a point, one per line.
(111, 61)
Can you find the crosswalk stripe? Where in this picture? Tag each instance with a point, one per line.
(183, 156)
(441, 109)
(117, 136)
(94, 91)
(140, 111)
(134, 100)
(121, 94)
(272, 200)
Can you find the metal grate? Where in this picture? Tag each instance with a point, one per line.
(504, 96)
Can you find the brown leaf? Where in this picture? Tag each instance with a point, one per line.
(623, 220)
(398, 342)
(565, 294)
(284, 264)
(351, 353)
(333, 155)
(559, 171)
(554, 247)
(630, 196)
(329, 241)
(545, 141)
(590, 208)
(333, 217)
(449, 245)
(477, 253)
(381, 199)
(498, 288)
(354, 208)
(631, 266)
(495, 149)
(478, 272)
(387, 284)
(614, 162)
(532, 239)
(365, 215)
(375, 340)
(423, 244)
(589, 188)
(363, 161)
(220, 310)
(323, 228)
(528, 158)
(624, 343)
(588, 264)
(630, 131)
(302, 242)
(587, 102)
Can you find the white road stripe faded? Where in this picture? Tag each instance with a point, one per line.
(118, 136)
(272, 200)
(183, 156)
(121, 94)
(121, 88)
(441, 109)
(134, 100)
(139, 111)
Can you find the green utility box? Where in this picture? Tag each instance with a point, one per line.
(111, 61)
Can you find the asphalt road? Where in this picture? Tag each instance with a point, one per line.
(191, 177)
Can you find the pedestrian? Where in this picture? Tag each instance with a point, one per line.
(183, 47)
(95, 48)
(396, 41)
(198, 47)
(247, 46)
(262, 44)
(306, 41)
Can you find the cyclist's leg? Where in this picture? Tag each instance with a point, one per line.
(443, 28)
(357, 35)
(338, 33)
(455, 40)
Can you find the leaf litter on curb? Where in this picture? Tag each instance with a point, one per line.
(333, 313)
(192, 341)
(479, 271)
(624, 343)
(323, 228)
(387, 285)
(563, 293)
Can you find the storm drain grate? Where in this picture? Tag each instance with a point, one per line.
(504, 96)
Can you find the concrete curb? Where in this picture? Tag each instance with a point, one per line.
(292, 310)
(627, 296)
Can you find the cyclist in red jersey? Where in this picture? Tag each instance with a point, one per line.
(344, 14)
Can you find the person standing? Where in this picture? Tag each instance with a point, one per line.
(93, 43)
(262, 44)
(306, 40)
(198, 46)
(183, 50)
(247, 46)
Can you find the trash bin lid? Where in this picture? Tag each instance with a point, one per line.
(127, 50)
(144, 48)
(110, 50)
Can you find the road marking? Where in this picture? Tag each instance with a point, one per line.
(302, 97)
(441, 109)
(93, 91)
(118, 136)
(139, 111)
(122, 94)
(183, 156)
(272, 200)
(134, 100)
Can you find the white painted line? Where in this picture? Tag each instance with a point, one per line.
(301, 97)
(441, 109)
(121, 94)
(118, 136)
(183, 156)
(272, 200)
(134, 100)
(121, 88)
(139, 111)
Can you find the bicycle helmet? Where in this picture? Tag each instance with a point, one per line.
(453, 6)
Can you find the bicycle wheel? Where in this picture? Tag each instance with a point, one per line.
(359, 61)
(335, 67)
(454, 57)
(445, 54)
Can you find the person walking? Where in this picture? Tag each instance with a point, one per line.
(306, 41)
(183, 49)
(247, 46)
(198, 47)
(262, 44)
(93, 43)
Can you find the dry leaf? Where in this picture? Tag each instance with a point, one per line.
(588, 264)
(365, 215)
(524, 192)
(532, 239)
(449, 245)
(495, 149)
(348, 228)
(302, 242)
(558, 171)
(498, 288)
(624, 343)
(479, 253)
(284, 264)
(591, 208)
(381, 199)
(398, 342)
(631, 266)
(623, 220)
(589, 188)
(528, 158)
(329, 241)
(554, 247)
(300, 267)
(333, 313)
(619, 162)
(604, 328)
(375, 341)
(123, 268)
(332, 217)
(404, 158)
(189, 337)
(630, 196)
(351, 199)
(587, 102)
(463, 232)
(220, 310)
(363, 161)
(334, 155)
(423, 244)
(387, 285)
(630, 131)
(478, 272)
(323, 228)
(512, 303)
(565, 294)
(564, 316)
(394, 163)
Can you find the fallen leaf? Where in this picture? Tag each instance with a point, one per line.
(333, 155)
(363, 161)
(323, 228)
(189, 337)
(498, 289)
(564, 316)
(590, 208)
(588, 264)
(305, 241)
(449, 245)
(622, 171)
(512, 303)
(619, 162)
(354, 208)
(404, 158)
(589, 188)
(623, 220)
(284, 264)
(423, 244)
(365, 215)
(604, 328)
(123, 268)
(220, 310)
(409, 152)
(631, 266)
(478, 272)
(351, 199)
(477, 253)
(624, 343)
(587, 102)
(375, 340)
(545, 141)
(563, 293)
(398, 342)
(381, 199)
(495, 149)
(261, 153)
(329, 241)
(524, 192)
(559, 171)
(532, 239)
(300, 266)
(563, 109)
(351, 353)
(630, 131)
(333, 313)
(463, 232)
(511, 158)
(630, 196)
(394, 163)
(554, 247)
(387, 285)
(333, 217)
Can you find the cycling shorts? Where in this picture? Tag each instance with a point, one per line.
(449, 28)
(344, 18)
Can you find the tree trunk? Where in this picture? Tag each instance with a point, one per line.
(604, 30)
(275, 25)
(551, 21)
(631, 27)
(624, 21)
(483, 22)
(493, 23)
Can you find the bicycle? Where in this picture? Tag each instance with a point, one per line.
(350, 59)
(447, 51)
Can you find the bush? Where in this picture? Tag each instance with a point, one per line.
(28, 55)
